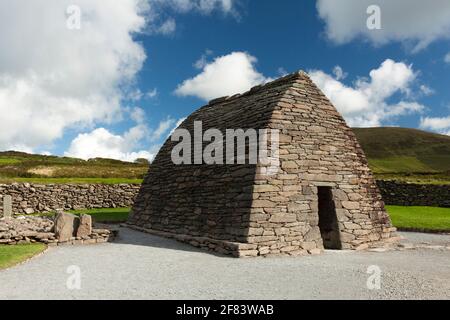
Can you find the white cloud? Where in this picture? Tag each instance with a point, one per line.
(134, 95)
(163, 127)
(104, 144)
(175, 127)
(447, 58)
(152, 93)
(168, 27)
(416, 22)
(137, 115)
(366, 102)
(52, 78)
(202, 6)
(203, 61)
(339, 74)
(441, 125)
(226, 75)
(282, 71)
(425, 90)
(162, 23)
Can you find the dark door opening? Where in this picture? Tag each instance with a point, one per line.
(328, 223)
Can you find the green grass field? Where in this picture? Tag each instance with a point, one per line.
(72, 180)
(23, 167)
(420, 218)
(106, 215)
(398, 164)
(406, 154)
(111, 215)
(12, 255)
(8, 161)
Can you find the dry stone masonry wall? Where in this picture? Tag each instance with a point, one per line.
(32, 198)
(409, 194)
(240, 210)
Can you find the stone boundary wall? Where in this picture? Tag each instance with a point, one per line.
(30, 198)
(407, 194)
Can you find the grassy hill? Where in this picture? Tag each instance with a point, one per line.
(393, 153)
(407, 154)
(23, 167)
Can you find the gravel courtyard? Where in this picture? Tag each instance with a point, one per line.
(141, 266)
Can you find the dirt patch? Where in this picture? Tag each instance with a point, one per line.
(43, 171)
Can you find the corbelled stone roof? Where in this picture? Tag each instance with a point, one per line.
(242, 210)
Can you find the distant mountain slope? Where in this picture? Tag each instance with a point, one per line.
(401, 150)
(19, 166)
(393, 153)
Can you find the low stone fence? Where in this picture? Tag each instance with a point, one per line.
(30, 198)
(407, 194)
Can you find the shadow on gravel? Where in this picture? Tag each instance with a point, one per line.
(132, 237)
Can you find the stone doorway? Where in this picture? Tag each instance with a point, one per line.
(328, 223)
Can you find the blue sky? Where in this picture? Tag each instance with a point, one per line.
(134, 70)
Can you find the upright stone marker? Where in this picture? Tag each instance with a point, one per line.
(7, 206)
(65, 226)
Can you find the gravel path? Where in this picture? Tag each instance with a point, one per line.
(141, 266)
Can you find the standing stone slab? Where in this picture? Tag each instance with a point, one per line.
(85, 227)
(7, 206)
(66, 225)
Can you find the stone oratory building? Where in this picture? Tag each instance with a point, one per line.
(323, 195)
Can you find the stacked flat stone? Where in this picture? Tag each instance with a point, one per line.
(29, 229)
(412, 194)
(32, 198)
(26, 230)
(238, 209)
